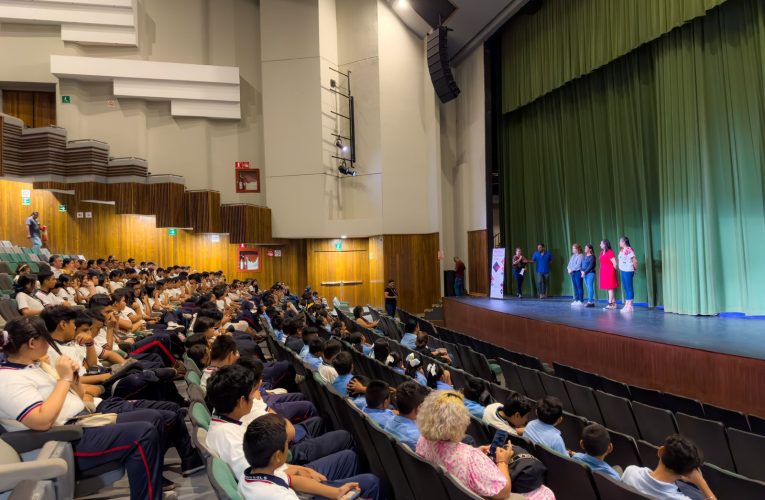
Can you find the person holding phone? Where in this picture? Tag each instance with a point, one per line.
(519, 270)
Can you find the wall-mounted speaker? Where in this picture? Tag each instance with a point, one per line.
(438, 65)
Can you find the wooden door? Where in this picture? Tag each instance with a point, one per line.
(36, 109)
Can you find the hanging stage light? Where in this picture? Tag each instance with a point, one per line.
(346, 170)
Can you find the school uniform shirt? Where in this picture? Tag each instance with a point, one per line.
(67, 295)
(100, 338)
(443, 386)
(327, 373)
(381, 416)
(25, 301)
(84, 291)
(475, 409)
(597, 465)
(366, 349)
(304, 351)
(548, 435)
(102, 290)
(259, 408)
(48, 299)
(225, 438)
(25, 388)
(56, 272)
(279, 336)
(403, 429)
(313, 361)
(266, 486)
(640, 479)
(491, 417)
(341, 382)
(114, 285)
(206, 374)
(78, 353)
(420, 378)
(409, 340)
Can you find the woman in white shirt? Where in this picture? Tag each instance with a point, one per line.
(627, 267)
(22, 270)
(28, 305)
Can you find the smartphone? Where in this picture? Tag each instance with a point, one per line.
(500, 439)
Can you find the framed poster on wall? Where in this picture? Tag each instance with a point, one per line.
(247, 178)
(249, 260)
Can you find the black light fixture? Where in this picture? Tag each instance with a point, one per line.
(342, 147)
(345, 169)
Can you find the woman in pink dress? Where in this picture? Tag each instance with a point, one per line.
(442, 420)
(608, 272)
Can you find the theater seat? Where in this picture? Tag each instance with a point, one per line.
(611, 489)
(54, 465)
(222, 479)
(569, 479)
(456, 490)
(727, 485)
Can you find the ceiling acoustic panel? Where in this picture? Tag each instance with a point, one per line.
(91, 22)
(193, 90)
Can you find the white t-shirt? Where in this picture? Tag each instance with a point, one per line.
(26, 301)
(67, 295)
(115, 285)
(56, 272)
(78, 353)
(84, 291)
(327, 373)
(206, 374)
(625, 260)
(640, 479)
(100, 289)
(265, 487)
(225, 438)
(26, 388)
(491, 417)
(48, 299)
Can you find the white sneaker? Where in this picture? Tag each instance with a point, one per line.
(574, 303)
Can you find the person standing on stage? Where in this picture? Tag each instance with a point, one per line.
(627, 266)
(608, 279)
(519, 270)
(575, 271)
(588, 273)
(391, 298)
(542, 258)
(33, 230)
(459, 277)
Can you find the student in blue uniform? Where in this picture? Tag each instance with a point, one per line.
(409, 397)
(378, 398)
(438, 378)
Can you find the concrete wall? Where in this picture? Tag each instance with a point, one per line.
(219, 32)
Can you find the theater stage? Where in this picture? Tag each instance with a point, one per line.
(717, 360)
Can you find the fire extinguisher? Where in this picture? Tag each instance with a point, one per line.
(44, 233)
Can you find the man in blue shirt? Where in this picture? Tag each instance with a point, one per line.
(409, 397)
(597, 444)
(378, 399)
(543, 430)
(409, 340)
(542, 258)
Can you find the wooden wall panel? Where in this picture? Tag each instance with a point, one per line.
(247, 223)
(203, 211)
(36, 109)
(327, 264)
(721, 379)
(412, 260)
(289, 268)
(478, 263)
(377, 278)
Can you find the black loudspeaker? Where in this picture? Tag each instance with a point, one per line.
(449, 283)
(438, 65)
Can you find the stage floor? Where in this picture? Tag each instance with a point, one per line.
(734, 336)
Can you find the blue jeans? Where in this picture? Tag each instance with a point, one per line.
(629, 291)
(576, 280)
(542, 280)
(589, 280)
(459, 288)
(342, 467)
(518, 281)
(36, 242)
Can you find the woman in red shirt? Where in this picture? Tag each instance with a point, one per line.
(608, 272)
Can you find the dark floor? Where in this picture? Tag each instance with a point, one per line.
(736, 336)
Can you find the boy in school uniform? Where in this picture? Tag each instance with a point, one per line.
(223, 352)
(597, 446)
(544, 430)
(409, 397)
(327, 372)
(378, 399)
(314, 354)
(232, 392)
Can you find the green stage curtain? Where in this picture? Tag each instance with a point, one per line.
(666, 145)
(567, 39)
(582, 168)
(711, 135)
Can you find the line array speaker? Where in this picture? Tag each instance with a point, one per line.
(438, 65)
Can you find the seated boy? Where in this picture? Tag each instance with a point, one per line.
(315, 350)
(232, 392)
(266, 447)
(327, 372)
(510, 416)
(343, 365)
(409, 397)
(378, 399)
(679, 459)
(223, 352)
(473, 390)
(411, 329)
(597, 446)
(543, 430)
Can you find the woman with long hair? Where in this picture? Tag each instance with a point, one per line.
(608, 279)
(588, 273)
(628, 264)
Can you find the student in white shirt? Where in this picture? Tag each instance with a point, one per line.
(37, 397)
(28, 305)
(45, 294)
(510, 416)
(222, 353)
(232, 390)
(679, 459)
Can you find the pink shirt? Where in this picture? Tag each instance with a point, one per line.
(472, 468)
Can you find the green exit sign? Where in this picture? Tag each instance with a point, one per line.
(66, 99)
(338, 245)
(26, 201)
(62, 208)
(172, 231)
